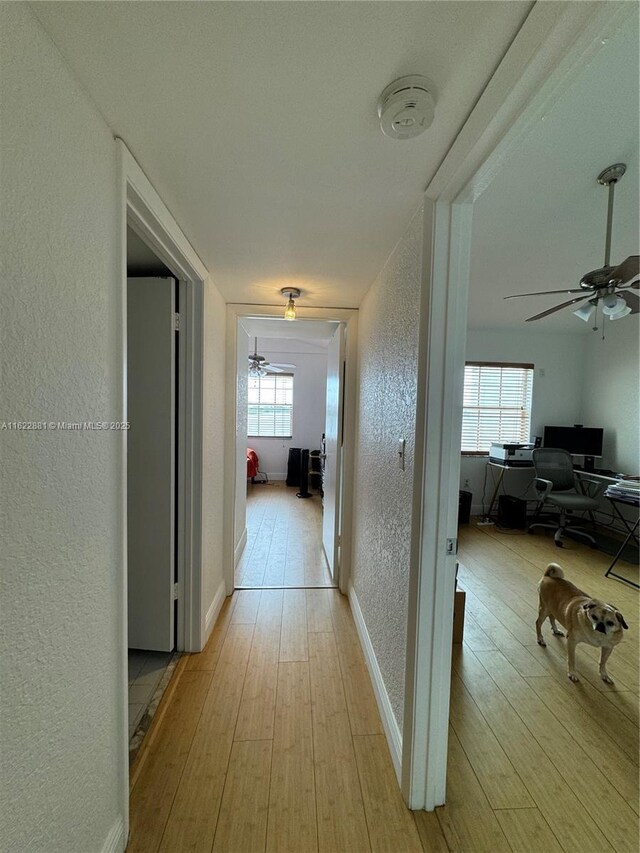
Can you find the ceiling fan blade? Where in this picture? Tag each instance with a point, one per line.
(627, 271)
(544, 293)
(632, 300)
(556, 308)
(270, 368)
(278, 364)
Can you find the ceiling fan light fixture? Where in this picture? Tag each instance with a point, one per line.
(620, 313)
(290, 309)
(613, 305)
(585, 312)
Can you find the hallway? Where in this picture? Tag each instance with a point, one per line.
(272, 741)
(284, 540)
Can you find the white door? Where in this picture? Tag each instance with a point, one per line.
(151, 462)
(332, 480)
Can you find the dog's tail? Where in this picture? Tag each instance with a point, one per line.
(553, 570)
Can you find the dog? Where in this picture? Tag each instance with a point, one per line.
(586, 619)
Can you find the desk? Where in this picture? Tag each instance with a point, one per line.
(584, 477)
(631, 534)
(504, 466)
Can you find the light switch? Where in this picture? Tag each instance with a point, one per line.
(401, 444)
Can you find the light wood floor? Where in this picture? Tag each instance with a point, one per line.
(271, 740)
(536, 762)
(284, 540)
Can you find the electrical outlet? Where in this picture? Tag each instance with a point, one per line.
(466, 484)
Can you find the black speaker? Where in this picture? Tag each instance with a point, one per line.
(512, 512)
(293, 466)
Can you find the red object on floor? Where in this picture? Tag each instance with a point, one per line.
(252, 462)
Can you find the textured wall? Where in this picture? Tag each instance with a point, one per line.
(559, 360)
(387, 355)
(62, 786)
(240, 514)
(611, 393)
(213, 444)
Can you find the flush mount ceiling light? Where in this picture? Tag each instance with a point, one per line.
(290, 310)
(406, 107)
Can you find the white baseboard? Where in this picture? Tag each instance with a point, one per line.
(240, 548)
(278, 477)
(214, 610)
(116, 841)
(391, 728)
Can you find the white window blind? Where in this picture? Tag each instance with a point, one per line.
(270, 406)
(497, 405)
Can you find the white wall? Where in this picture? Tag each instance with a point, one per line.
(559, 361)
(309, 402)
(611, 384)
(213, 447)
(62, 729)
(240, 515)
(62, 779)
(387, 356)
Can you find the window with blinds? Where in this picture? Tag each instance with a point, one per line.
(270, 406)
(497, 405)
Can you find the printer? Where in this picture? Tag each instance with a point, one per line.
(518, 455)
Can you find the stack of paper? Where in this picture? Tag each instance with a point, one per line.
(625, 490)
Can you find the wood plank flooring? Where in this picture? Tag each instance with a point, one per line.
(272, 740)
(284, 540)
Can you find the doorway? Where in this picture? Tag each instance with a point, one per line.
(276, 539)
(289, 424)
(158, 250)
(153, 541)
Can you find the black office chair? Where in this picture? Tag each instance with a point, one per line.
(556, 485)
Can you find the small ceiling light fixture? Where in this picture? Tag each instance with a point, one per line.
(292, 293)
(585, 311)
(406, 107)
(614, 307)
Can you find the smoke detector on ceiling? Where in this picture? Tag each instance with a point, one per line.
(406, 107)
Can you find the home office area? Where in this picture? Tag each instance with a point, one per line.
(550, 423)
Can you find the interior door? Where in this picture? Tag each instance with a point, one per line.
(151, 401)
(332, 479)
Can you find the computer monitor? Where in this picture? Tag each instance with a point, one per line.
(578, 440)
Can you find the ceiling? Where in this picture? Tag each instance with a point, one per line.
(314, 333)
(256, 122)
(541, 223)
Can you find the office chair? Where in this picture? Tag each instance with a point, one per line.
(556, 485)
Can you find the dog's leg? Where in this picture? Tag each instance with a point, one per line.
(555, 628)
(542, 615)
(571, 657)
(604, 657)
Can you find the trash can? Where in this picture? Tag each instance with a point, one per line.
(464, 507)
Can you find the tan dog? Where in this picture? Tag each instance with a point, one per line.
(586, 619)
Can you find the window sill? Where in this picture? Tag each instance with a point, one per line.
(478, 454)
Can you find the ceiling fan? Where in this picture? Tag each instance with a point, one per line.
(607, 284)
(259, 366)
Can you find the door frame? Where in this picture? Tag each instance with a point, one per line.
(349, 316)
(142, 209)
(555, 42)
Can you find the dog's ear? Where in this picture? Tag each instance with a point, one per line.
(620, 619)
(588, 605)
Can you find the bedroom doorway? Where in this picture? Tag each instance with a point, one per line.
(289, 405)
(292, 485)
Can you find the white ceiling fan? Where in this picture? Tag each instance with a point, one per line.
(259, 366)
(607, 284)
